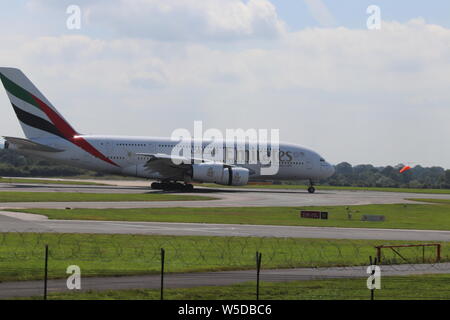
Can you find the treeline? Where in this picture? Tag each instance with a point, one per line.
(13, 164)
(367, 175)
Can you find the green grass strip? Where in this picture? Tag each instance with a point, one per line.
(46, 181)
(92, 197)
(22, 254)
(398, 216)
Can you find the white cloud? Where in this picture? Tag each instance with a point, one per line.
(185, 20)
(356, 95)
(320, 12)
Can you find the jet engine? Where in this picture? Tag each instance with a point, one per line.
(220, 174)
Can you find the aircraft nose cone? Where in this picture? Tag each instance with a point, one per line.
(329, 170)
(332, 170)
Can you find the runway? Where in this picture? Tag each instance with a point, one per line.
(232, 197)
(15, 222)
(11, 222)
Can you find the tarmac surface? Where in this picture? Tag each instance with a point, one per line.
(232, 197)
(18, 222)
(188, 280)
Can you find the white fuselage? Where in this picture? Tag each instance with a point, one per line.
(295, 162)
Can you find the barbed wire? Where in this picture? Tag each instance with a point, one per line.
(213, 251)
(103, 255)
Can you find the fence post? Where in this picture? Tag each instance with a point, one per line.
(258, 270)
(372, 291)
(163, 253)
(438, 252)
(378, 253)
(46, 272)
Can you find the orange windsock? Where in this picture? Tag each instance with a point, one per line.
(404, 169)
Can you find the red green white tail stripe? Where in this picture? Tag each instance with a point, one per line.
(37, 116)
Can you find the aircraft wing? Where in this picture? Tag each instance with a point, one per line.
(24, 144)
(165, 166)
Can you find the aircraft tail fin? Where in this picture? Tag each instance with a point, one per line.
(37, 116)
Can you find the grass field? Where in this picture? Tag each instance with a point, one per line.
(22, 254)
(319, 187)
(402, 216)
(75, 197)
(46, 181)
(422, 287)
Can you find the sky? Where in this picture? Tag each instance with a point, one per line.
(310, 68)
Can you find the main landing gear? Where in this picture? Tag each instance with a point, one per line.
(311, 188)
(172, 186)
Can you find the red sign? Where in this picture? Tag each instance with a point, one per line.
(313, 214)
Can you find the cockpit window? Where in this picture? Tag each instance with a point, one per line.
(322, 159)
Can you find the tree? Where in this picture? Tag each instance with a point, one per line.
(447, 179)
(344, 168)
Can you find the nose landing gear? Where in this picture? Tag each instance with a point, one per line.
(311, 188)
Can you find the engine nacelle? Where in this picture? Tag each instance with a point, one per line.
(217, 173)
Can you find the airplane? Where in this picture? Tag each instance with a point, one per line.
(50, 136)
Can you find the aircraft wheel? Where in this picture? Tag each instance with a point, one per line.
(311, 189)
(177, 186)
(165, 186)
(170, 186)
(155, 185)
